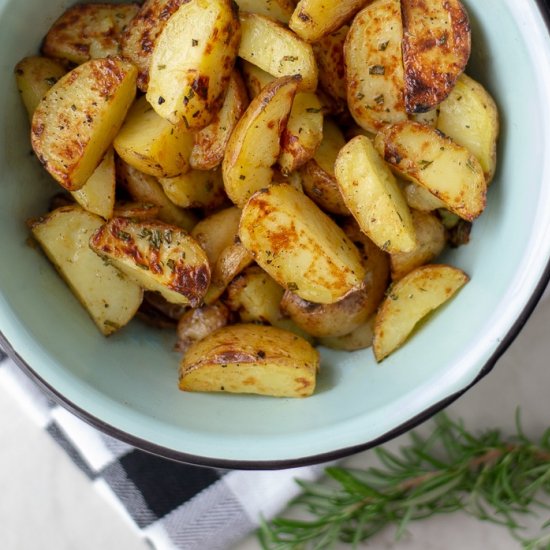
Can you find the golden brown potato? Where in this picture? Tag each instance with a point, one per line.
(196, 189)
(217, 232)
(277, 50)
(136, 210)
(410, 300)
(347, 314)
(251, 359)
(281, 10)
(151, 144)
(300, 246)
(436, 49)
(110, 298)
(157, 256)
(329, 53)
(210, 142)
(313, 19)
(360, 338)
(98, 193)
(140, 36)
(425, 156)
(318, 174)
(35, 75)
(429, 118)
(373, 197)
(77, 120)
(303, 133)
(144, 188)
(255, 296)
(196, 324)
(469, 117)
(374, 66)
(430, 239)
(255, 78)
(231, 261)
(192, 62)
(88, 31)
(254, 145)
(421, 199)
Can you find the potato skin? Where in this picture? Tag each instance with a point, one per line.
(436, 49)
(140, 35)
(251, 359)
(329, 53)
(349, 313)
(158, 256)
(196, 324)
(76, 122)
(211, 142)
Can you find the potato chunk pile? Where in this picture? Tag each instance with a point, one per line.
(261, 177)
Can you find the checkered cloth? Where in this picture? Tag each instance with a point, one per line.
(175, 506)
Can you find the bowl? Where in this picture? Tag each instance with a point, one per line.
(127, 385)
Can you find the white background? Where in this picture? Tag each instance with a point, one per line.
(47, 503)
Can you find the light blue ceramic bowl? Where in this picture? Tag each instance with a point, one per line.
(127, 384)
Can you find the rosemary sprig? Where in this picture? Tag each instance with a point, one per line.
(487, 476)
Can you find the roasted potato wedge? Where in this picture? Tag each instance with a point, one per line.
(303, 133)
(98, 193)
(77, 120)
(277, 50)
(231, 261)
(255, 79)
(318, 177)
(254, 145)
(436, 49)
(329, 53)
(281, 10)
(425, 156)
(192, 62)
(420, 198)
(251, 359)
(360, 338)
(196, 324)
(429, 118)
(157, 256)
(255, 296)
(430, 242)
(110, 299)
(300, 246)
(144, 188)
(136, 210)
(211, 142)
(88, 31)
(469, 117)
(410, 300)
(347, 314)
(374, 66)
(35, 75)
(373, 196)
(314, 19)
(151, 144)
(140, 36)
(196, 189)
(217, 232)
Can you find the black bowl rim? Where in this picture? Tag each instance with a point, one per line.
(178, 456)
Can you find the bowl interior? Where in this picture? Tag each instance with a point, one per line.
(129, 381)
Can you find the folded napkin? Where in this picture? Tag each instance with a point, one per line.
(175, 506)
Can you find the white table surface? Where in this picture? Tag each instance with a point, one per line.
(47, 504)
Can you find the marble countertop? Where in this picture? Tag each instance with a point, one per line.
(47, 503)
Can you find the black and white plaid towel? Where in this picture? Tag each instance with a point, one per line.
(175, 506)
